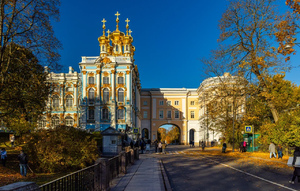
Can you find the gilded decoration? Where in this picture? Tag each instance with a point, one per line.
(62, 85)
(121, 107)
(105, 74)
(68, 93)
(47, 125)
(105, 86)
(83, 72)
(75, 125)
(91, 74)
(61, 115)
(128, 72)
(75, 85)
(127, 67)
(75, 116)
(69, 84)
(91, 86)
(113, 71)
(120, 74)
(83, 67)
(105, 60)
(55, 93)
(68, 115)
(98, 71)
(121, 120)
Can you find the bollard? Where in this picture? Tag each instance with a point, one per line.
(132, 156)
(123, 162)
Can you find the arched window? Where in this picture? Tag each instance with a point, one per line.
(105, 114)
(120, 95)
(55, 121)
(69, 101)
(105, 95)
(127, 47)
(91, 95)
(91, 113)
(55, 101)
(103, 48)
(69, 121)
(120, 80)
(120, 113)
(42, 122)
(105, 80)
(117, 48)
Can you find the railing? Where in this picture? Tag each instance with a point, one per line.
(96, 177)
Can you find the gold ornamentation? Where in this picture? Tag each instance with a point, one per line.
(83, 72)
(83, 67)
(75, 85)
(98, 71)
(105, 86)
(121, 107)
(105, 74)
(120, 74)
(91, 74)
(75, 116)
(127, 67)
(56, 93)
(62, 85)
(113, 71)
(121, 121)
(75, 125)
(128, 72)
(68, 93)
(98, 66)
(61, 115)
(105, 60)
(68, 114)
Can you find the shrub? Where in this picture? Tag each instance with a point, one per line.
(60, 149)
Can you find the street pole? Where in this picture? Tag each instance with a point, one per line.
(253, 139)
(233, 125)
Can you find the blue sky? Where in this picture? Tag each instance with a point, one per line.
(170, 36)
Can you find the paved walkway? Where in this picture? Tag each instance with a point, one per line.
(146, 174)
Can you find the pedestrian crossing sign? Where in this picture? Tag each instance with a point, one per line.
(135, 130)
(248, 129)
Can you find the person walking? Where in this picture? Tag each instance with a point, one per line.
(156, 145)
(224, 147)
(23, 159)
(131, 144)
(12, 140)
(296, 169)
(159, 147)
(3, 156)
(142, 146)
(279, 151)
(163, 146)
(244, 146)
(272, 150)
(202, 145)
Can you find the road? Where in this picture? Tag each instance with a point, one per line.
(190, 170)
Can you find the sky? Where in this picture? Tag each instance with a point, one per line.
(170, 36)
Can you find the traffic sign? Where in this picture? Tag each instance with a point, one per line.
(135, 130)
(248, 129)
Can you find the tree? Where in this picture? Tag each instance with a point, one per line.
(173, 135)
(246, 45)
(24, 94)
(161, 134)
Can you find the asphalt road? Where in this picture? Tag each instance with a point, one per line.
(189, 170)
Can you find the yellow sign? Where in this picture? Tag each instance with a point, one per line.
(248, 129)
(135, 130)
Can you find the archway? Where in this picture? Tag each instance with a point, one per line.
(169, 133)
(145, 133)
(192, 135)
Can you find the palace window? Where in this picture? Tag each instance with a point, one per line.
(56, 89)
(161, 114)
(176, 103)
(91, 95)
(69, 121)
(120, 95)
(103, 48)
(55, 101)
(127, 47)
(91, 80)
(91, 113)
(120, 113)
(145, 103)
(120, 80)
(105, 80)
(169, 114)
(168, 103)
(55, 121)
(105, 95)
(192, 102)
(117, 48)
(69, 101)
(69, 89)
(105, 114)
(161, 102)
(42, 122)
(176, 114)
(192, 114)
(145, 115)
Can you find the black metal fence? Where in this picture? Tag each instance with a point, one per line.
(96, 177)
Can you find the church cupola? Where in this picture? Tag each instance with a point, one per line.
(117, 38)
(127, 43)
(104, 42)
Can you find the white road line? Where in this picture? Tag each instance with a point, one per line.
(252, 175)
(176, 152)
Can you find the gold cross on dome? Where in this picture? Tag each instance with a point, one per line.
(127, 21)
(103, 21)
(117, 14)
(130, 31)
(108, 32)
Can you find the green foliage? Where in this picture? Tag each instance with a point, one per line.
(60, 149)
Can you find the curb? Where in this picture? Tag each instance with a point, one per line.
(165, 177)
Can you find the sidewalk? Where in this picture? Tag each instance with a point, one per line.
(146, 174)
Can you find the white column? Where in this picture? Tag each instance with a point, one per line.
(75, 95)
(128, 84)
(84, 84)
(113, 84)
(98, 83)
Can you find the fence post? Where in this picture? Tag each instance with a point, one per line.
(104, 171)
(123, 161)
(97, 175)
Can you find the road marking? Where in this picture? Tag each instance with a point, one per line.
(176, 152)
(280, 185)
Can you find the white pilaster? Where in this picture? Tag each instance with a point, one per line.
(84, 84)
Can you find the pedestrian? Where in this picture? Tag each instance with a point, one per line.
(200, 143)
(193, 143)
(190, 143)
(23, 159)
(203, 145)
(224, 147)
(160, 147)
(131, 144)
(156, 145)
(272, 150)
(296, 169)
(3, 156)
(244, 146)
(163, 146)
(12, 140)
(279, 151)
(142, 146)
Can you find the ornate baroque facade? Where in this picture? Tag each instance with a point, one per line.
(107, 93)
